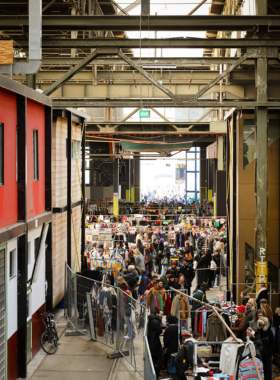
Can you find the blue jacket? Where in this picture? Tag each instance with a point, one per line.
(143, 283)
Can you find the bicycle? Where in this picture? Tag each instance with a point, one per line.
(49, 338)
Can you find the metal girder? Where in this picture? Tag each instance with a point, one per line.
(125, 118)
(164, 118)
(145, 74)
(163, 43)
(77, 69)
(48, 5)
(197, 7)
(145, 7)
(221, 76)
(147, 23)
(130, 7)
(62, 61)
(192, 103)
(120, 8)
(177, 76)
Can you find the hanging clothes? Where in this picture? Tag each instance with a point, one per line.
(215, 329)
(228, 356)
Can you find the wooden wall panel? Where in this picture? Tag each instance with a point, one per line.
(6, 52)
(59, 193)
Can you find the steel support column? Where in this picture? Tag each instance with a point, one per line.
(203, 176)
(261, 162)
(145, 7)
(116, 182)
(137, 189)
(220, 148)
(83, 226)
(31, 81)
(69, 186)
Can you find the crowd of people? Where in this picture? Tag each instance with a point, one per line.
(152, 268)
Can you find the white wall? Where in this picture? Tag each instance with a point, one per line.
(38, 289)
(11, 291)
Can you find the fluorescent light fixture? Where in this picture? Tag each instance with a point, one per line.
(153, 66)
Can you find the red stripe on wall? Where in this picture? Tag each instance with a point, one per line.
(35, 189)
(12, 357)
(8, 192)
(38, 328)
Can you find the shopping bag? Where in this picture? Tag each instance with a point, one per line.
(171, 368)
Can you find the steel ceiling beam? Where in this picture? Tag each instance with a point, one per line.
(163, 43)
(145, 74)
(148, 23)
(76, 69)
(144, 103)
(221, 76)
(63, 61)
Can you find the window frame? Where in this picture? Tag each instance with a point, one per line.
(2, 173)
(12, 263)
(35, 155)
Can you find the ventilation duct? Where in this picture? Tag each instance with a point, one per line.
(33, 64)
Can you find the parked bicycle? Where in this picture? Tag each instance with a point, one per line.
(49, 338)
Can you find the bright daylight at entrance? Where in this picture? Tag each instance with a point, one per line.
(139, 189)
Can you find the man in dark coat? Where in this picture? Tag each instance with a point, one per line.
(145, 280)
(154, 331)
(170, 341)
(187, 270)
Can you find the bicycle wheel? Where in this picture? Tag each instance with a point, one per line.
(49, 342)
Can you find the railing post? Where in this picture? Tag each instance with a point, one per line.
(118, 321)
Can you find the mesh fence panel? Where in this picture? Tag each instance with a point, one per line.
(110, 316)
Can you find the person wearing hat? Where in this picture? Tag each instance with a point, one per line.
(240, 325)
(267, 338)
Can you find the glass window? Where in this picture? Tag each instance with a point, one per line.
(87, 177)
(35, 155)
(29, 310)
(29, 253)
(191, 164)
(13, 263)
(36, 247)
(197, 181)
(190, 181)
(1, 154)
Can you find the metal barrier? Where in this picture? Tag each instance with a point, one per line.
(108, 315)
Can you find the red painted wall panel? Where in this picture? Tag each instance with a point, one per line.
(35, 189)
(12, 357)
(8, 192)
(38, 328)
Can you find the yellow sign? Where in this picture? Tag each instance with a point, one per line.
(127, 195)
(262, 272)
(210, 196)
(132, 195)
(116, 204)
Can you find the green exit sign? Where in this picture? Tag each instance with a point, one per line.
(144, 113)
(168, 165)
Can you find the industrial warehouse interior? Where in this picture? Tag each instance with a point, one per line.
(139, 189)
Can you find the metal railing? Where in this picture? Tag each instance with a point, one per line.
(108, 315)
